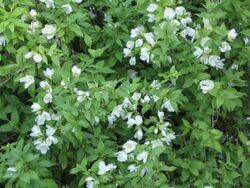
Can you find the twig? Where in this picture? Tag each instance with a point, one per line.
(5, 81)
(5, 140)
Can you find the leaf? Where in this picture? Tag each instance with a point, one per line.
(87, 40)
(25, 177)
(246, 32)
(245, 167)
(76, 28)
(7, 69)
(17, 12)
(45, 163)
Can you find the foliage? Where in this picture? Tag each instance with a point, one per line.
(124, 93)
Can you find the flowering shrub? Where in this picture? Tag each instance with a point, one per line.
(124, 93)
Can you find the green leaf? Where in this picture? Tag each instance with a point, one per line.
(77, 29)
(87, 40)
(7, 69)
(245, 167)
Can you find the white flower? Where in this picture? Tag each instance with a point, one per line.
(81, 95)
(160, 114)
(152, 7)
(175, 22)
(89, 182)
(33, 13)
(204, 59)
(78, 1)
(35, 107)
(156, 143)
(49, 31)
(163, 128)
(48, 3)
(103, 168)
(132, 61)
(51, 140)
(37, 58)
(146, 99)
(155, 98)
(35, 131)
(11, 169)
(41, 118)
(27, 80)
(55, 117)
(129, 146)
(67, 8)
(232, 34)
(136, 96)
(136, 31)
(111, 119)
(33, 26)
(169, 137)
(246, 40)
(149, 38)
(23, 17)
(198, 52)
(50, 131)
(137, 121)
(127, 52)
(130, 44)
(44, 85)
(122, 156)
(180, 11)
(151, 17)
(215, 61)
(186, 21)
(155, 84)
(28, 55)
(207, 50)
(144, 55)
(42, 146)
(206, 85)
(48, 72)
(117, 111)
(139, 134)
(235, 66)
(169, 13)
(168, 105)
(225, 47)
(97, 120)
(2, 41)
(188, 31)
(208, 186)
(126, 102)
(143, 156)
(47, 98)
(138, 43)
(132, 168)
(76, 71)
(204, 41)
(206, 23)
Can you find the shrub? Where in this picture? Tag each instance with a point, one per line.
(124, 93)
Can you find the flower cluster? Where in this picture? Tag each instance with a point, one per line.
(103, 168)
(28, 80)
(143, 42)
(36, 57)
(44, 141)
(203, 53)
